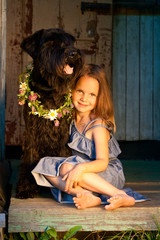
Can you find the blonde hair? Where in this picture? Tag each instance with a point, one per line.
(104, 107)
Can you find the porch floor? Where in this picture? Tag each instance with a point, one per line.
(38, 213)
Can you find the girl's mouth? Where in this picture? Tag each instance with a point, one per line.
(82, 104)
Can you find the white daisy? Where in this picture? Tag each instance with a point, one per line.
(23, 86)
(52, 114)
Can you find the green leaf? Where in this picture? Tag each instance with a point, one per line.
(22, 234)
(15, 236)
(73, 238)
(30, 236)
(52, 232)
(72, 232)
(5, 236)
(44, 236)
(37, 234)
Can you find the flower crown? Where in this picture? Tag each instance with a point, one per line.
(34, 103)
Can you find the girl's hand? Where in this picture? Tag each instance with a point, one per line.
(73, 178)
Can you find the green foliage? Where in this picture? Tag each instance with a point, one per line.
(138, 235)
(50, 233)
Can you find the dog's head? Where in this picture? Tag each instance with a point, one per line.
(56, 61)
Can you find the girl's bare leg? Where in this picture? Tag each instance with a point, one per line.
(85, 198)
(119, 198)
(93, 182)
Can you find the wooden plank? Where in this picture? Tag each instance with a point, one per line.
(156, 83)
(132, 82)
(104, 44)
(119, 74)
(49, 10)
(38, 213)
(14, 113)
(146, 76)
(2, 76)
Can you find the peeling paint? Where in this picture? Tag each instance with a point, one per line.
(29, 17)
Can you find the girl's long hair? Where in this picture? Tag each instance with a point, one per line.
(104, 107)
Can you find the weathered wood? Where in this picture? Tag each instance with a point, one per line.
(16, 26)
(2, 76)
(132, 77)
(119, 74)
(146, 76)
(27, 16)
(136, 74)
(38, 213)
(156, 83)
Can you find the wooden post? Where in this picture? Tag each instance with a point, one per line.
(2, 101)
(2, 76)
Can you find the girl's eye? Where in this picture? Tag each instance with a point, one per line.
(79, 91)
(92, 95)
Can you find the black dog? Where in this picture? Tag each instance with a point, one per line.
(53, 52)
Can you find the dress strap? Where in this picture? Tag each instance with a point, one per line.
(98, 125)
(89, 124)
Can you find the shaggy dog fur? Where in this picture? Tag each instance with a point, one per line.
(51, 50)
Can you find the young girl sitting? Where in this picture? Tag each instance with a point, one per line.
(93, 167)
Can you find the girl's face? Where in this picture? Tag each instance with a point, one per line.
(84, 96)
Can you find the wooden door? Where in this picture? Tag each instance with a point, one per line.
(92, 28)
(136, 74)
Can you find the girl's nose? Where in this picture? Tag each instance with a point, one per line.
(84, 97)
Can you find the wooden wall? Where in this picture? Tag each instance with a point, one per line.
(93, 32)
(136, 74)
(136, 61)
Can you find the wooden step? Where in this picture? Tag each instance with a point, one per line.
(34, 215)
(38, 213)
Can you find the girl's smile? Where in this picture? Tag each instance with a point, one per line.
(85, 94)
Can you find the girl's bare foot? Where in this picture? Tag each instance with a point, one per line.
(86, 199)
(120, 200)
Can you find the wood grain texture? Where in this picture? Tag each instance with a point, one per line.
(136, 74)
(119, 74)
(38, 213)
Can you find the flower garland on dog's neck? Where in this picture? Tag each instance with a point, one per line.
(35, 105)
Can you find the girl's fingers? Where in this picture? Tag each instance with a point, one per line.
(69, 185)
(64, 177)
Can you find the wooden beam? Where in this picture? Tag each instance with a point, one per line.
(2, 75)
(38, 213)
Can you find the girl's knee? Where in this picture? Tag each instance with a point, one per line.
(65, 168)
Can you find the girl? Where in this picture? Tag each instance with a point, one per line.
(93, 168)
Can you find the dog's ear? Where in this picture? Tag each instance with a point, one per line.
(31, 44)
